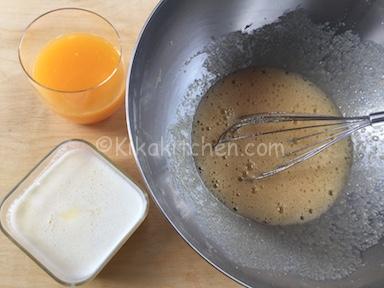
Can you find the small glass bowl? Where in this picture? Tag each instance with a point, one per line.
(37, 176)
(78, 106)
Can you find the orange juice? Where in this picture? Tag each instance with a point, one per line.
(81, 77)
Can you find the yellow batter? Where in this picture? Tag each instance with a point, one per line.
(297, 195)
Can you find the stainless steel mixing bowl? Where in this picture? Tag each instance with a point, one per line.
(184, 48)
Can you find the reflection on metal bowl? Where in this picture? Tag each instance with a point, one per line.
(184, 49)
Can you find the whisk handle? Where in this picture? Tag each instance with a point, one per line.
(376, 118)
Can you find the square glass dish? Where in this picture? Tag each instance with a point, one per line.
(73, 212)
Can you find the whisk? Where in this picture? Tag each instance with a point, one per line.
(318, 132)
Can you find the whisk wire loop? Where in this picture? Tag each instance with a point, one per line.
(324, 131)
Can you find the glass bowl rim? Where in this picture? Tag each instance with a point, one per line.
(30, 77)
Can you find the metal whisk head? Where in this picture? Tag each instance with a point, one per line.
(306, 135)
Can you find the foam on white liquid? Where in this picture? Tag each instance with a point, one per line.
(73, 217)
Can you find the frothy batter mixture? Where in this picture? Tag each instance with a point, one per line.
(298, 195)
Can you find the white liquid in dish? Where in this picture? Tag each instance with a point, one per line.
(76, 214)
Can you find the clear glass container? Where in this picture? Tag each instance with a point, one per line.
(72, 212)
(88, 104)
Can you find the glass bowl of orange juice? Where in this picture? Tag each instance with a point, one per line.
(73, 57)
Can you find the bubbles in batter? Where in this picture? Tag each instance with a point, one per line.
(297, 195)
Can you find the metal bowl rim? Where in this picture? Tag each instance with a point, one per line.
(129, 121)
